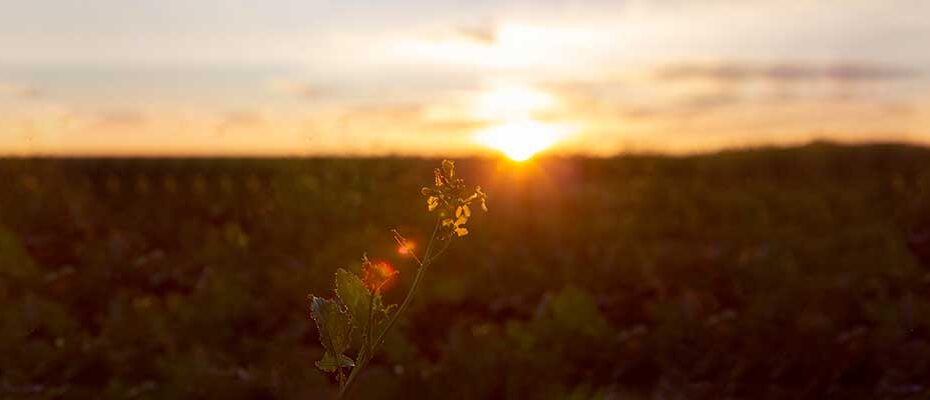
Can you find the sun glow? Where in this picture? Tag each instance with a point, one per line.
(515, 132)
(520, 140)
(511, 102)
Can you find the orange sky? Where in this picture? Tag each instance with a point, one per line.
(225, 77)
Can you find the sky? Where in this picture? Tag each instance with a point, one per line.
(438, 77)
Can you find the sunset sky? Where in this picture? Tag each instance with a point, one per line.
(243, 77)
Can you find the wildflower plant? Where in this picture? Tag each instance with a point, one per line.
(358, 315)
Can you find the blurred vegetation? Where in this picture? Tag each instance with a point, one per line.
(754, 274)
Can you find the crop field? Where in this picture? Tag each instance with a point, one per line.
(770, 273)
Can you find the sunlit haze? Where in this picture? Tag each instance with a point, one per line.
(517, 78)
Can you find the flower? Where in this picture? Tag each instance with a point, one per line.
(450, 198)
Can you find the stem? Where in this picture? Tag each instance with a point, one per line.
(371, 306)
(432, 238)
(442, 250)
(403, 306)
(427, 260)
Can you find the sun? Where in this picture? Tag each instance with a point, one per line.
(513, 129)
(521, 139)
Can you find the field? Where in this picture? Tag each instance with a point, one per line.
(752, 274)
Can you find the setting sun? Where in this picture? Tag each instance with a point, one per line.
(520, 140)
(514, 131)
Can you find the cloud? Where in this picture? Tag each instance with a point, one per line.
(699, 102)
(485, 33)
(294, 88)
(242, 118)
(405, 118)
(783, 72)
(120, 118)
(458, 126)
(20, 91)
(688, 92)
(238, 119)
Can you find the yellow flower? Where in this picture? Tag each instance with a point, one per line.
(463, 212)
(449, 196)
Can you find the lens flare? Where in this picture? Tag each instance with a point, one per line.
(406, 248)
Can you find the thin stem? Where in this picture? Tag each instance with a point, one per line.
(427, 260)
(442, 250)
(432, 238)
(371, 306)
(348, 383)
(403, 306)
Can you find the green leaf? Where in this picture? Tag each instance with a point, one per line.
(329, 363)
(353, 293)
(356, 297)
(335, 331)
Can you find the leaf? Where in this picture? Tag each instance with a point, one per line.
(432, 202)
(335, 331)
(329, 363)
(333, 324)
(353, 293)
(356, 296)
(461, 231)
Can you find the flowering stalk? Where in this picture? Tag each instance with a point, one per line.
(358, 305)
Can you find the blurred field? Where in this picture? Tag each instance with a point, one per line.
(769, 273)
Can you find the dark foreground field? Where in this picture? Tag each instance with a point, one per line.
(755, 274)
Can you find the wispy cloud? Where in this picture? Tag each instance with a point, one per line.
(783, 72)
(294, 88)
(20, 91)
(119, 118)
(485, 33)
(413, 118)
(238, 119)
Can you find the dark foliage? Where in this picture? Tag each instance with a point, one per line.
(770, 273)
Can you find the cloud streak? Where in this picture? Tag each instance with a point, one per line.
(120, 118)
(294, 88)
(784, 72)
(484, 33)
(238, 119)
(20, 91)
